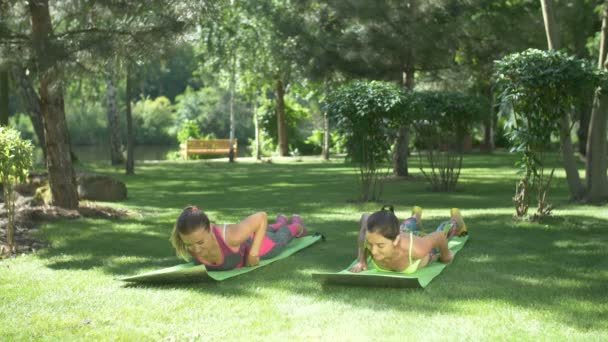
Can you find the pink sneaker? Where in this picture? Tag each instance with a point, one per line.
(296, 219)
(281, 220)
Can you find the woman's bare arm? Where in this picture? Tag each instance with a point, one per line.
(361, 264)
(253, 224)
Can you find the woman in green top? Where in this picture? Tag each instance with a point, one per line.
(401, 248)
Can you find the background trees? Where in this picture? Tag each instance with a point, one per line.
(221, 64)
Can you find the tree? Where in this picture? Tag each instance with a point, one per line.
(3, 96)
(542, 86)
(130, 166)
(361, 111)
(440, 120)
(279, 41)
(577, 190)
(112, 114)
(61, 173)
(15, 161)
(597, 148)
(132, 26)
(393, 40)
(485, 35)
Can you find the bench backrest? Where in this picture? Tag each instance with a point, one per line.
(214, 144)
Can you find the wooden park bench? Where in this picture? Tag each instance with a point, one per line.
(207, 147)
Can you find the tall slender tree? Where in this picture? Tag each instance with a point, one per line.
(4, 96)
(130, 166)
(394, 40)
(59, 163)
(112, 115)
(597, 146)
(577, 190)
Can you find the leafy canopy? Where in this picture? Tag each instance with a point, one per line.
(542, 86)
(362, 112)
(15, 156)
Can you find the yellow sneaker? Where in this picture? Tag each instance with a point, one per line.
(457, 218)
(417, 214)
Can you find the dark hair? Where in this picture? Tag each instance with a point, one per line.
(190, 219)
(384, 222)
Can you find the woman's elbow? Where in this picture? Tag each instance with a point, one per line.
(263, 216)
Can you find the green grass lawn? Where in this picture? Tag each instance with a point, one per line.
(524, 281)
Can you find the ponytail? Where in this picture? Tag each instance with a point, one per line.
(384, 222)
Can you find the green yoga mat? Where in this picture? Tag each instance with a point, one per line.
(376, 278)
(198, 273)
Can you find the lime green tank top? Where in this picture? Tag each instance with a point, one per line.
(413, 267)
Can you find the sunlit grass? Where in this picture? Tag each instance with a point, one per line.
(513, 281)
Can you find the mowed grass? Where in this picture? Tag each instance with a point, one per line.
(513, 281)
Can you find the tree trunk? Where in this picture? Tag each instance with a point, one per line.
(232, 85)
(401, 152)
(604, 36)
(550, 24)
(583, 112)
(281, 126)
(258, 152)
(488, 125)
(597, 149)
(112, 113)
(32, 104)
(325, 152)
(59, 162)
(3, 96)
(130, 167)
(577, 190)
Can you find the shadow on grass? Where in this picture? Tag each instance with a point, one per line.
(534, 266)
(546, 266)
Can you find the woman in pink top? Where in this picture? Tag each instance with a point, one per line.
(229, 246)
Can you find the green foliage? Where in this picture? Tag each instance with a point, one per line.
(295, 116)
(542, 87)
(361, 112)
(16, 157)
(189, 130)
(87, 122)
(501, 138)
(336, 142)
(441, 120)
(209, 108)
(22, 123)
(442, 117)
(169, 74)
(153, 120)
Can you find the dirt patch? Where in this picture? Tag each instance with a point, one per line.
(29, 217)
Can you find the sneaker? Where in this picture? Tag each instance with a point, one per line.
(417, 213)
(281, 220)
(296, 219)
(457, 218)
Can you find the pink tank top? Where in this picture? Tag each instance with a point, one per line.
(230, 259)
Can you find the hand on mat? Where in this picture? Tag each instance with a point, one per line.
(358, 267)
(253, 260)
